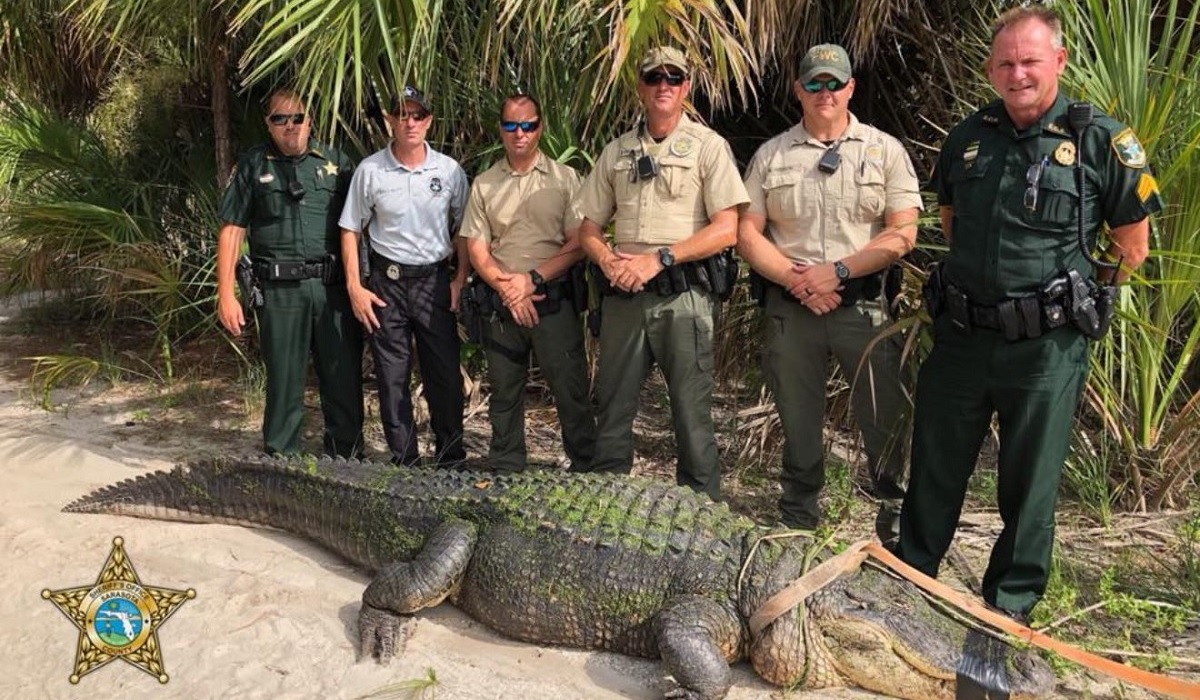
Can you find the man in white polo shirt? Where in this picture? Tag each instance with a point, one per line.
(411, 198)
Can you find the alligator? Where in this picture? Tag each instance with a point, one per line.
(624, 564)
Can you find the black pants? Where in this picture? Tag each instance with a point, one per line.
(418, 308)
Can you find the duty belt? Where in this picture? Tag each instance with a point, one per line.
(293, 270)
(395, 270)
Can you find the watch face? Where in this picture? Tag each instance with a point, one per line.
(666, 257)
(843, 272)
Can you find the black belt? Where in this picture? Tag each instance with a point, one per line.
(396, 270)
(1051, 315)
(290, 270)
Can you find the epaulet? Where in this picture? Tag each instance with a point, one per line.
(990, 115)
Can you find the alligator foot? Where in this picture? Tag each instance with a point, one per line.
(381, 633)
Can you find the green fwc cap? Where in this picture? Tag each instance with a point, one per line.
(825, 59)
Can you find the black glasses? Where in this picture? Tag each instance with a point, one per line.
(1033, 178)
(528, 127)
(281, 119)
(832, 85)
(656, 77)
(418, 116)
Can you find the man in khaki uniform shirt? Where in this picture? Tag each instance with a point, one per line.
(671, 189)
(522, 240)
(838, 202)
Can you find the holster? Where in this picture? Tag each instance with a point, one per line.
(758, 288)
(469, 312)
(1082, 306)
(248, 284)
(577, 275)
(933, 292)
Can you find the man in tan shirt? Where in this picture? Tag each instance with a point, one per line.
(671, 189)
(522, 240)
(833, 202)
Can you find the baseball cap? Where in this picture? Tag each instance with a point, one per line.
(408, 94)
(823, 59)
(663, 56)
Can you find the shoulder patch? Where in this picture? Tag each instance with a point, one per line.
(1129, 150)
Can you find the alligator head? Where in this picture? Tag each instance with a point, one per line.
(876, 631)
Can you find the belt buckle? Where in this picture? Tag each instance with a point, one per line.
(393, 271)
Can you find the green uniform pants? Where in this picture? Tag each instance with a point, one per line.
(676, 332)
(1033, 387)
(298, 318)
(557, 341)
(796, 354)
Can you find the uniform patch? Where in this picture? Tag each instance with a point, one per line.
(682, 146)
(874, 153)
(991, 119)
(1147, 187)
(435, 185)
(1065, 153)
(970, 154)
(266, 178)
(329, 168)
(1129, 150)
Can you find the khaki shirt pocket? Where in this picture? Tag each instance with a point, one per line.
(872, 191)
(788, 194)
(625, 190)
(677, 176)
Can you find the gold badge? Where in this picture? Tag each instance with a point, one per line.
(1065, 153)
(1129, 150)
(329, 168)
(875, 153)
(118, 617)
(682, 146)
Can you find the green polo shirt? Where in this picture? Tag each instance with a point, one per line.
(1001, 247)
(283, 226)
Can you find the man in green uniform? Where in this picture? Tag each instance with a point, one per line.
(288, 194)
(671, 188)
(833, 202)
(1016, 299)
(522, 240)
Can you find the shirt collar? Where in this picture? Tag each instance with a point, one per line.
(393, 164)
(539, 165)
(853, 132)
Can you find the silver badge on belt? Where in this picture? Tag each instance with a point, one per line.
(393, 271)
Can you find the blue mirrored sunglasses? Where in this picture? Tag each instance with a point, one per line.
(832, 85)
(527, 127)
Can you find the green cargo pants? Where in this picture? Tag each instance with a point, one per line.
(676, 332)
(798, 344)
(300, 318)
(557, 342)
(1033, 387)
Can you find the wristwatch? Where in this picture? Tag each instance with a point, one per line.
(843, 272)
(537, 279)
(666, 257)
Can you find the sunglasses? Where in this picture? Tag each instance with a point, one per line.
(527, 127)
(281, 119)
(1033, 178)
(419, 116)
(656, 77)
(832, 85)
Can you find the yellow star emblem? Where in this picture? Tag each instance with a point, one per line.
(329, 168)
(118, 617)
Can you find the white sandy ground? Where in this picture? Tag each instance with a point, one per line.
(275, 616)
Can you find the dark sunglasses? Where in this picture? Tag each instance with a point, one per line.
(1033, 178)
(419, 116)
(656, 77)
(281, 119)
(527, 127)
(832, 85)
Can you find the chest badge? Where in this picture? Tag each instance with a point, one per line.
(435, 185)
(266, 178)
(329, 168)
(682, 146)
(1065, 154)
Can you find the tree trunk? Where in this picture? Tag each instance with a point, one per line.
(222, 147)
